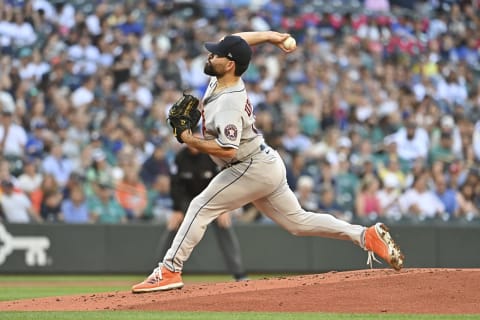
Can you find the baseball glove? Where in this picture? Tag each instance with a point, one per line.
(184, 115)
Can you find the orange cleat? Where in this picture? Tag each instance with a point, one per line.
(161, 279)
(378, 241)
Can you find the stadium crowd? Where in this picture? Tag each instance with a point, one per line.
(377, 112)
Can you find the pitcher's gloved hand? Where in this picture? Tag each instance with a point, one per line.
(184, 115)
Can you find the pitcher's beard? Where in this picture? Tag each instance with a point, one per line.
(209, 70)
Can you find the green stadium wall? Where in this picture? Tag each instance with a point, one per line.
(135, 248)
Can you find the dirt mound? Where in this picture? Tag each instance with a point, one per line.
(434, 291)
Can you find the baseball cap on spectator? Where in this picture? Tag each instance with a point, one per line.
(7, 111)
(39, 124)
(29, 160)
(447, 122)
(445, 135)
(62, 124)
(157, 142)
(6, 183)
(344, 142)
(98, 155)
(233, 48)
(104, 185)
(95, 136)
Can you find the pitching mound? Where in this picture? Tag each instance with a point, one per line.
(434, 291)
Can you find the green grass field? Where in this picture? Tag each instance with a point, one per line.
(14, 287)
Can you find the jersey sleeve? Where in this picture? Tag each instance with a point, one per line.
(229, 125)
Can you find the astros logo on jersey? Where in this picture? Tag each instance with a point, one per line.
(231, 132)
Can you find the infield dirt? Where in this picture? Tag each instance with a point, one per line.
(432, 291)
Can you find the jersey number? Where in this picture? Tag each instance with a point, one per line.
(248, 108)
(249, 111)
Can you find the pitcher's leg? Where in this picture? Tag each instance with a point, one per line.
(191, 231)
(229, 190)
(282, 207)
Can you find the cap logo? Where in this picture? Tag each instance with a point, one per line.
(229, 55)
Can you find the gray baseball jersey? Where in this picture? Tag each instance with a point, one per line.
(256, 175)
(228, 118)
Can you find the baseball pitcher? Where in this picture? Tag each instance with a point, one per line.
(252, 171)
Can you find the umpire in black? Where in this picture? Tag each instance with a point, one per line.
(191, 175)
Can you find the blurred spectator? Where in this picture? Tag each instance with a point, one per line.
(419, 202)
(16, 207)
(13, 137)
(85, 56)
(105, 208)
(75, 180)
(346, 184)
(388, 196)
(21, 32)
(326, 148)
(83, 96)
(99, 171)
(50, 207)
(367, 203)
(30, 180)
(447, 196)
(34, 148)
(412, 141)
(57, 165)
(442, 152)
(305, 193)
(93, 20)
(6, 172)
(457, 174)
(160, 202)
(155, 165)
(132, 194)
(327, 203)
(48, 186)
(140, 95)
(293, 139)
(295, 168)
(415, 169)
(466, 202)
(74, 208)
(392, 169)
(476, 140)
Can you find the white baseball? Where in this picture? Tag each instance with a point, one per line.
(290, 43)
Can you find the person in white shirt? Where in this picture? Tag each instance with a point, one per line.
(133, 90)
(84, 95)
(12, 136)
(476, 140)
(412, 141)
(420, 202)
(16, 207)
(389, 197)
(30, 179)
(93, 20)
(23, 33)
(6, 100)
(64, 15)
(85, 55)
(57, 165)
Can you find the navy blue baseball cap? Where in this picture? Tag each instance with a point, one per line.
(234, 48)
